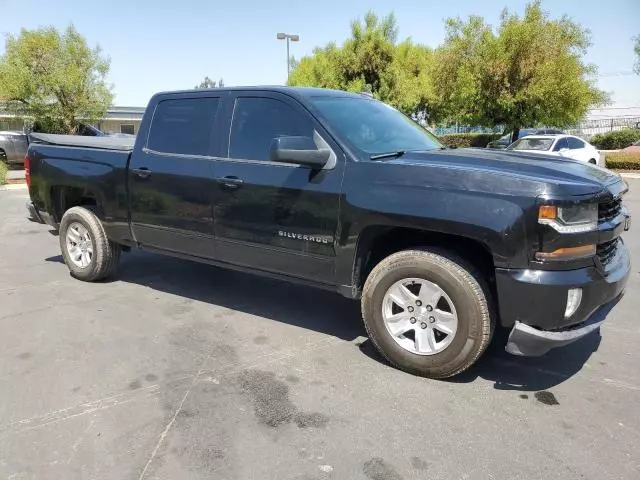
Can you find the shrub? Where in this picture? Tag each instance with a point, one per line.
(465, 140)
(623, 160)
(615, 140)
(3, 172)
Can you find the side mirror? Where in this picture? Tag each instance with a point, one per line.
(298, 150)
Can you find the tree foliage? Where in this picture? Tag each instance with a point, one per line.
(208, 83)
(528, 72)
(636, 49)
(371, 60)
(55, 78)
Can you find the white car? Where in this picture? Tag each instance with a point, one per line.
(566, 146)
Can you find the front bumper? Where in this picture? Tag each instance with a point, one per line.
(533, 302)
(531, 342)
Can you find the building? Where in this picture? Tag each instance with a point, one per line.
(117, 120)
(122, 120)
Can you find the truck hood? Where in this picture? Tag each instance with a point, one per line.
(551, 175)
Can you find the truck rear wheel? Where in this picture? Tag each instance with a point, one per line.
(85, 247)
(427, 313)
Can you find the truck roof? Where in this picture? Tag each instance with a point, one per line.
(301, 92)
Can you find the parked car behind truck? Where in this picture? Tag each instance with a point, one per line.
(342, 192)
(13, 147)
(506, 140)
(565, 146)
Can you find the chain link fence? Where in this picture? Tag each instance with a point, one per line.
(588, 128)
(584, 128)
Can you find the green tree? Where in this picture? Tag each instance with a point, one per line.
(371, 60)
(55, 78)
(208, 83)
(529, 72)
(636, 49)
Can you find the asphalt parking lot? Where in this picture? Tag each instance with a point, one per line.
(177, 370)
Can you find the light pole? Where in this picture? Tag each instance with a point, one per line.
(287, 37)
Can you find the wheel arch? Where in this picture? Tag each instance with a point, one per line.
(376, 242)
(64, 197)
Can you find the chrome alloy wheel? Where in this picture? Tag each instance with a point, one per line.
(420, 316)
(79, 245)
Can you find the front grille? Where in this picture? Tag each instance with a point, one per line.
(606, 251)
(609, 210)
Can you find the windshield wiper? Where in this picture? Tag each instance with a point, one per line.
(381, 156)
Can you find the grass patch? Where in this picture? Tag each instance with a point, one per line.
(3, 172)
(623, 160)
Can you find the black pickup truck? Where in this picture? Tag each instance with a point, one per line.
(340, 191)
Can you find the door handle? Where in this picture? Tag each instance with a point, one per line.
(230, 181)
(142, 172)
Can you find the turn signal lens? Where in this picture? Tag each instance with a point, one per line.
(568, 253)
(547, 212)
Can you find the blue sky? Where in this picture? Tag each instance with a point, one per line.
(167, 45)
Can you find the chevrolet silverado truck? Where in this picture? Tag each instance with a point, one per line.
(343, 192)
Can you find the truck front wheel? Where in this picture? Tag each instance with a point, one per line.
(85, 247)
(427, 312)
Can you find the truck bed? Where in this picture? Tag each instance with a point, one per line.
(103, 143)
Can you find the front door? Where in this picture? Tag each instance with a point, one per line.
(275, 217)
(171, 178)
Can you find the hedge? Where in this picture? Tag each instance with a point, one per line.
(3, 172)
(623, 160)
(465, 140)
(615, 140)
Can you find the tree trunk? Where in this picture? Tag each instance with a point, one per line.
(515, 133)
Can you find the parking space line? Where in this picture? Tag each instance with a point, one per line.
(57, 416)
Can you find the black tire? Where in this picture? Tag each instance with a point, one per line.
(460, 282)
(106, 254)
(593, 161)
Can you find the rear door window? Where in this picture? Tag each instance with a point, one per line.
(183, 126)
(560, 144)
(574, 143)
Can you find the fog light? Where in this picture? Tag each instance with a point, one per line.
(574, 297)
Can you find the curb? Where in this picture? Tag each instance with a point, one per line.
(13, 186)
(630, 175)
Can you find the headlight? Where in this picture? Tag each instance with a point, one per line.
(570, 219)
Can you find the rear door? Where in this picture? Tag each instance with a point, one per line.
(561, 147)
(577, 149)
(171, 177)
(8, 146)
(275, 217)
(18, 147)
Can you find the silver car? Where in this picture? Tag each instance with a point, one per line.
(13, 147)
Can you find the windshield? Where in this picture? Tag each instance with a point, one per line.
(528, 143)
(374, 127)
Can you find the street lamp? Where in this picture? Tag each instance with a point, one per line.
(287, 37)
